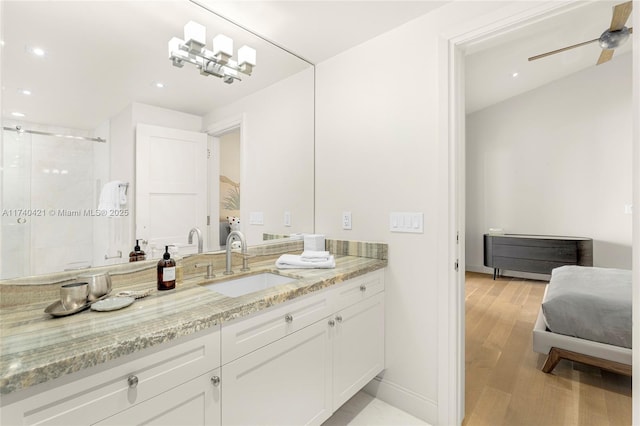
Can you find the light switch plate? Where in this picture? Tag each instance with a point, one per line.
(287, 218)
(411, 222)
(346, 220)
(256, 218)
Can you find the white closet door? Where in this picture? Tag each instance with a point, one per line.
(171, 180)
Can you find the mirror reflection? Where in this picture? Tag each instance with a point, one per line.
(106, 142)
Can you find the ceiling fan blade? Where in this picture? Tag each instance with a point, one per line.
(553, 52)
(621, 13)
(605, 56)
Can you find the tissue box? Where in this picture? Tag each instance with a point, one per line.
(314, 242)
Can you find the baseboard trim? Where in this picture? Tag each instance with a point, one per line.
(407, 400)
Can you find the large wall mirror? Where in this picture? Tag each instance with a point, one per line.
(91, 106)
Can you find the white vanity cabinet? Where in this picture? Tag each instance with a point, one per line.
(148, 380)
(335, 347)
(292, 364)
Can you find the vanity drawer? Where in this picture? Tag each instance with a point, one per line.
(357, 289)
(248, 334)
(119, 385)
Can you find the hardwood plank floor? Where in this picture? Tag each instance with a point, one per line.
(504, 384)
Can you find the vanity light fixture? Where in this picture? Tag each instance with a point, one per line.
(217, 62)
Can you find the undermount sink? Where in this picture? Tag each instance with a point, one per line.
(248, 284)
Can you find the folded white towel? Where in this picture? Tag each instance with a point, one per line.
(110, 196)
(292, 261)
(315, 255)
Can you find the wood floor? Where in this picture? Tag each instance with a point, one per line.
(504, 384)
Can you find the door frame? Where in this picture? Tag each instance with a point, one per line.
(451, 196)
(215, 130)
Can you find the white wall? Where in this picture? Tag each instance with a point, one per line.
(377, 150)
(555, 161)
(277, 155)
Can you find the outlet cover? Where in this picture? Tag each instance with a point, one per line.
(346, 220)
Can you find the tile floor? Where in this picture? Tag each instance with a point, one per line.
(365, 410)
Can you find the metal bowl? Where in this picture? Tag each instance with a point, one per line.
(99, 285)
(73, 296)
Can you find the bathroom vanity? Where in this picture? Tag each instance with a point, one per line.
(290, 354)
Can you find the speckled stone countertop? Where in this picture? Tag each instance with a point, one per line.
(35, 348)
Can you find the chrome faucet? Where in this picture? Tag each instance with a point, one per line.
(199, 233)
(236, 235)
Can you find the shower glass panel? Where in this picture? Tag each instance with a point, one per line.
(57, 233)
(15, 203)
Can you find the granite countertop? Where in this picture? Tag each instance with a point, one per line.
(35, 347)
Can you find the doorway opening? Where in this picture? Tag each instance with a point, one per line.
(457, 201)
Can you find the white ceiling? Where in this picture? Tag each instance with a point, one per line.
(318, 30)
(490, 64)
(107, 53)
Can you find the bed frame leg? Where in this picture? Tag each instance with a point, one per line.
(552, 360)
(555, 355)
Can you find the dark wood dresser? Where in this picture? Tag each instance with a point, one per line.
(535, 253)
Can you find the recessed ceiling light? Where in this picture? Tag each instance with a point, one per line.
(158, 84)
(18, 114)
(38, 51)
(514, 75)
(25, 92)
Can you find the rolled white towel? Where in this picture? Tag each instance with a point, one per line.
(315, 255)
(293, 261)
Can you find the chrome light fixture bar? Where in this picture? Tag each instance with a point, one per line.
(217, 62)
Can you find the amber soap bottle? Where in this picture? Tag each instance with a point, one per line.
(166, 271)
(137, 254)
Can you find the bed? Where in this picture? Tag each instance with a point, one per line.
(585, 317)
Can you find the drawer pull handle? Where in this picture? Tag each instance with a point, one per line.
(363, 287)
(215, 380)
(332, 323)
(339, 318)
(132, 381)
(288, 318)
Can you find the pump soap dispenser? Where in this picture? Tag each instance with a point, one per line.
(166, 271)
(137, 253)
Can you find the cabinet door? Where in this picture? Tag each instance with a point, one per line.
(194, 403)
(358, 347)
(285, 383)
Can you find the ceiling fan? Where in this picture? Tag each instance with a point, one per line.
(613, 37)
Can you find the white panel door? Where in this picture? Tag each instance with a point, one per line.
(171, 180)
(285, 383)
(358, 347)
